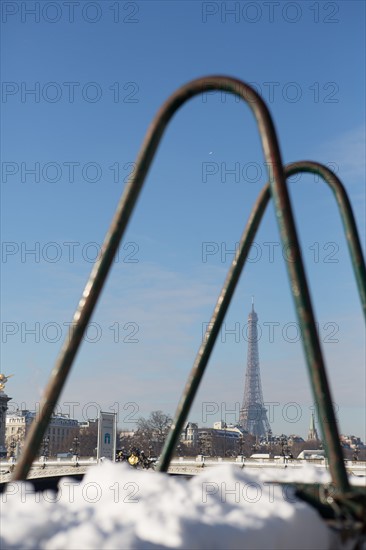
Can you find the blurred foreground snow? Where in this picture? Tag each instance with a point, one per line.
(116, 507)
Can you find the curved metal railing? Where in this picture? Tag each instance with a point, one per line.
(329, 431)
(277, 188)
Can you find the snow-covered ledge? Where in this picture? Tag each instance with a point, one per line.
(118, 507)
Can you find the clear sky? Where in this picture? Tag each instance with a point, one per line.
(81, 83)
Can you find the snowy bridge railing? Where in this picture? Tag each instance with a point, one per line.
(276, 189)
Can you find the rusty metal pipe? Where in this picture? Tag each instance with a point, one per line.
(228, 290)
(125, 207)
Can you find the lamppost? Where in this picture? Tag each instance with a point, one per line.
(255, 446)
(140, 442)
(241, 442)
(45, 450)
(12, 448)
(12, 454)
(270, 443)
(201, 443)
(284, 447)
(356, 452)
(239, 446)
(204, 443)
(75, 450)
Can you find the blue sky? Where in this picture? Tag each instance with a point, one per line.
(100, 71)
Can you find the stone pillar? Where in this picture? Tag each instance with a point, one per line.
(3, 408)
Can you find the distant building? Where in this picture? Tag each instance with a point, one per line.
(312, 454)
(4, 399)
(190, 434)
(253, 414)
(237, 431)
(312, 433)
(351, 442)
(220, 440)
(293, 438)
(88, 424)
(60, 431)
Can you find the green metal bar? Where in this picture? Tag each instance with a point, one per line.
(118, 226)
(348, 219)
(217, 318)
(228, 290)
(127, 202)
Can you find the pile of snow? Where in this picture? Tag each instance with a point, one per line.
(118, 507)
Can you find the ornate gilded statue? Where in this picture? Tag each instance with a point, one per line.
(3, 380)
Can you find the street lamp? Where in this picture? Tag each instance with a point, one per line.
(356, 452)
(12, 453)
(270, 443)
(12, 448)
(284, 447)
(255, 446)
(45, 449)
(75, 449)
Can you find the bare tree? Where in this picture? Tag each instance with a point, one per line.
(88, 440)
(188, 449)
(151, 432)
(15, 440)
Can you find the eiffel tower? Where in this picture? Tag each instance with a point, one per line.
(253, 415)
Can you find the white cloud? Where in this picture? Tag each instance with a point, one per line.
(347, 151)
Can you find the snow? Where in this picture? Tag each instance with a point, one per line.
(117, 507)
